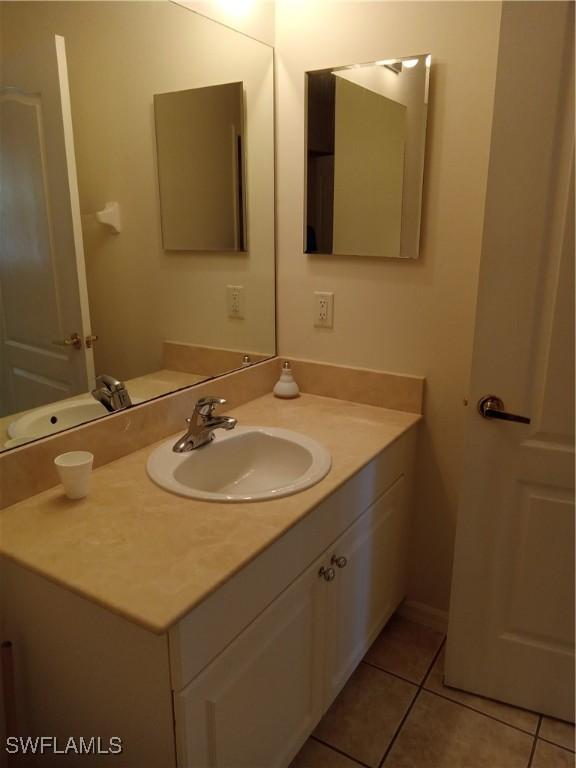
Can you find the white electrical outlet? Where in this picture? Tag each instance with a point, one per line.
(323, 309)
(235, 300)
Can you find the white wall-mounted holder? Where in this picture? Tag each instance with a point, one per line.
(110, 216)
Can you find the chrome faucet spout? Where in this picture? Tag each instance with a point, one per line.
(111, 393)
(201, 425)
(221, 422)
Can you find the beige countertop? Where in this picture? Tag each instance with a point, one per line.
(150, 555)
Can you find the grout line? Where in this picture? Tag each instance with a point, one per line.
(436, 655)
(407, 713)
(554, 744)
(533, 750)
(479, 712)
(400, 726)
(340, 751)
(387, 671)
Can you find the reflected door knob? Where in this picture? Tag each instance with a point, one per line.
(492, 407)
(74, 340)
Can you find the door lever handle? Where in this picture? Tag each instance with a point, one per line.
(492, 407)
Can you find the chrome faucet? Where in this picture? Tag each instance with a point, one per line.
(202, 423)
(111, 393)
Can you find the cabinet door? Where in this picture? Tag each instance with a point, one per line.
(256, 703)
(368, 588)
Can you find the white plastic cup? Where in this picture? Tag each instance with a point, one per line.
(74, 469)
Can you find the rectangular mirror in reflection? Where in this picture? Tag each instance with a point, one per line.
(365, 140)
(200, 150)
(88, 288)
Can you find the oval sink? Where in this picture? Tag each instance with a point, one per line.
(246, 464)
(53, 418)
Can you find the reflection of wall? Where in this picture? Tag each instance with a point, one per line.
(406, 88)
(119, 55)
(408, 316)
(368, 171)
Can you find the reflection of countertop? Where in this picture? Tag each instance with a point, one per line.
(152, 556)
(160, 383)
(142, 388)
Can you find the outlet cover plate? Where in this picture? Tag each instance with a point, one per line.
(324, 309)
(235, 300)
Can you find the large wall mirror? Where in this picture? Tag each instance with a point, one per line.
(136, 207)
(365, 141)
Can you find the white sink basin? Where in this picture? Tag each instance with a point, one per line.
(53, 418)
(245, 464)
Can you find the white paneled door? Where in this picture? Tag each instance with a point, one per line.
(43, 300)
(511, 632)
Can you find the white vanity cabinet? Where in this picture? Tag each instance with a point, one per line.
(368, 588)
(245, 676)
(257, 701)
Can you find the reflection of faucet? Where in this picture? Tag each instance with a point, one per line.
(111, 393)
(202, 423)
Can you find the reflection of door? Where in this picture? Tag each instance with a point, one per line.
(42, 280)
(369, 145)
(511, 634)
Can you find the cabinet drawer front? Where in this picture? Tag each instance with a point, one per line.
(256, 703)
(370, 586)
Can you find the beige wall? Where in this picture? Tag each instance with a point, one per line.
(251, 17)
(413, 317)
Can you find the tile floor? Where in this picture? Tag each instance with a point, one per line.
(395, 712)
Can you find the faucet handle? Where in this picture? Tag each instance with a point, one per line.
(207, 405)
(111, 384)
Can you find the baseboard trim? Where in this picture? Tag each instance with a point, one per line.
(424, 614)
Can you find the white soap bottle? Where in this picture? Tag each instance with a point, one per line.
(286, 386)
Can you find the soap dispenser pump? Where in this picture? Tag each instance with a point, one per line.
(286, 386)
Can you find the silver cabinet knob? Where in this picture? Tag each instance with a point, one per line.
(328, 574)
(340, 562)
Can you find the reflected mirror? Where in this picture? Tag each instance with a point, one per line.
(136, 207)
(365, 141)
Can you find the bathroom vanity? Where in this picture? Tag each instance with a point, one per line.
(207, 634)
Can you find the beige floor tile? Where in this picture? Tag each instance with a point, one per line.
(548, 756)
(441, 734)
(316, 755)
(366, 714)
(520, 718)
(405, 648)
(557, 731)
